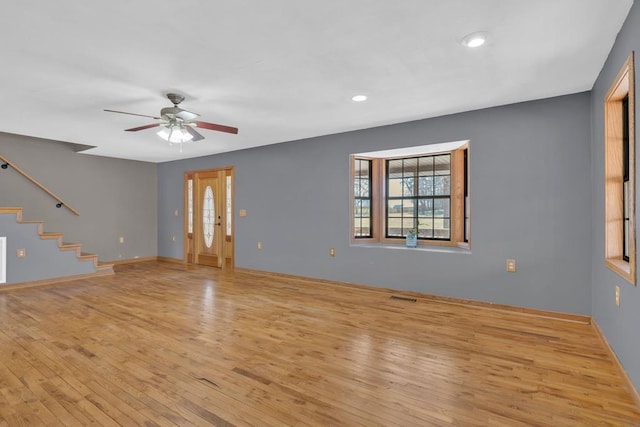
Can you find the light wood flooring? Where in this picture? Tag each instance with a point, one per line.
(160, 344)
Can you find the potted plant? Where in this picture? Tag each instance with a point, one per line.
(412, 236)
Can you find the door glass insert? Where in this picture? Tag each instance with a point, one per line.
(228, 205)
(190, 205)
(208, 214)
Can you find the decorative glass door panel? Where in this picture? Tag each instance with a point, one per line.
(208, 217)
(207, 221)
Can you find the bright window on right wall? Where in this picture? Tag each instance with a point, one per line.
(619, 123)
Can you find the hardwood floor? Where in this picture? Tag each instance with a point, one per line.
(159, 344)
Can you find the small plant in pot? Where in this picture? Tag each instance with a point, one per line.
(412, 236)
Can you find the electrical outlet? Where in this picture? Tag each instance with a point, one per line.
(243, 212)
(173, 238)
(511, 265)
(332, 251)
(121, 239)
(260, 245)
(21, 253)
(617, 296)
(176, 213)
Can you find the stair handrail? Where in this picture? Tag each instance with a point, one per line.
(6, 163)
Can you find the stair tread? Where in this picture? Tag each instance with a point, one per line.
(50, 235)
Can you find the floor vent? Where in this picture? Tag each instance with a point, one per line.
(403, 298)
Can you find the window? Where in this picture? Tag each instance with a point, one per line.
(467, 223)
(625, 178)
(362, 198)
(619, 109)
(424, 187)
(418, 193)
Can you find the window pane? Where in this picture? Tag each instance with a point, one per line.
(442, 185)
(408, 185)
(441, 228)
(426, 228)
(626, 238)
(425, 166)
(357, 208)
(363, 227)
(443, 164)
(366, 208)
(625, 186)
(425, 186)
(395, 188)
(394, 227)
(408, 207)
(425, 208)
(394, 207)
(441, 208)
(362, 168)
(410, 167)
(394, 168)
(407, 224)
(364, 187)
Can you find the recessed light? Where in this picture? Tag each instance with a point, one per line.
(474, 39)
(359, 98)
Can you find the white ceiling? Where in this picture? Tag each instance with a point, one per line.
(282, 70)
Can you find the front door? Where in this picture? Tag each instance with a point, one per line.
(208, 219)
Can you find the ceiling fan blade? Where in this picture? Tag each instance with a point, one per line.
(213, 126)
(132, 114)
(143, 127)
(196, 135)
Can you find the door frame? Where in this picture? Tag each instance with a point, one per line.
(226, 247)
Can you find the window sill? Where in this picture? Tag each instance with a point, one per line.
(419, 248)
(622, 268)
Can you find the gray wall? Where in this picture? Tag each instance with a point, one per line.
(44, 260)
(620, 325)
(114, 197)
(531, 200)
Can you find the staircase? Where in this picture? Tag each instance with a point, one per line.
(48, 258)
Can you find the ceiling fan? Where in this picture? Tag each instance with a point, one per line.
(178, 125)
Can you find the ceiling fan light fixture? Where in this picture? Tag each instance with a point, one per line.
(474, 40)
(175, 134)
